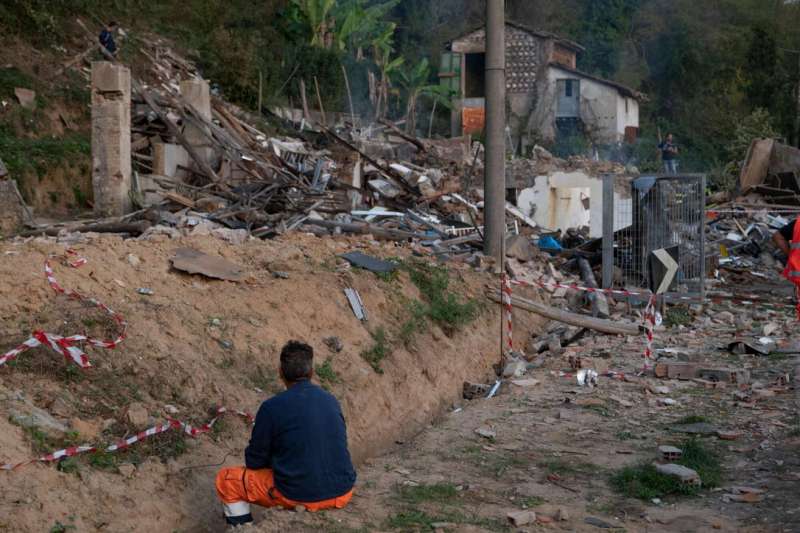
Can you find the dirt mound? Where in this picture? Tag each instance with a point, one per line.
(195, 344)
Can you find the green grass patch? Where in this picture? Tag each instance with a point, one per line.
(387, 277)
(103, 460)
(379, 350)
(10, 79)
(625, 435)
(69, 465)
(58, 527)
(442, 306)
(419, 520)
(415, 323)
(326, 374)
(645, 482)
(563, 467)
(678, 316)
(412, 520)
(794, 430)
(25, 156)
(529, 502)
(438, 493)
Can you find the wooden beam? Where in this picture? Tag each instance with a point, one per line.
(176, 132)
(364, 229)
(596, 324)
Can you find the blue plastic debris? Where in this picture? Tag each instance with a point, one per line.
(550, 243)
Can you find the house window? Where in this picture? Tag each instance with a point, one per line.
(568, 101)
(475, 80)
(626, 106)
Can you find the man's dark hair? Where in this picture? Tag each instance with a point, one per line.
(296, 361)
(112, 24)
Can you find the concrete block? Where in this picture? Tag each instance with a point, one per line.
(166, 159)
(109, 78)
(686, 475)
(196, 92)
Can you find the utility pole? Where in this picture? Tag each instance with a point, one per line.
(494, 184)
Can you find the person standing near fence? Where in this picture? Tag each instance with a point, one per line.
(669, 154)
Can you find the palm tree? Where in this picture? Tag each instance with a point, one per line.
(415, 83)
(317, 14)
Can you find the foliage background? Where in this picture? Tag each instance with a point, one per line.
(707, 67)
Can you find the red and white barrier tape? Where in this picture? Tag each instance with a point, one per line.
(122, 444)
(650, 315)
(67, 346)
(650, 319)
(508, 312)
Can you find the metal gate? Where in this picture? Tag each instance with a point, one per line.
(663, 212)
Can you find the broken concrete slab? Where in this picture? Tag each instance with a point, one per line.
(519, 247)
(366, 262)
(515, 369)
(521, 518)
(747, 346)
(486, 433)
(28, 415)
(26, 97)
(686, 475)
(196, 262)
(137, 415)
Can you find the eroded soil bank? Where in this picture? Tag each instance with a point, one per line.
(195, 344)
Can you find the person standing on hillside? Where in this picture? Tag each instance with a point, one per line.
(297, 454)
(107, 38)
(669, 154)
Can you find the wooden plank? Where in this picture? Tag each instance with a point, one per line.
(179, 199)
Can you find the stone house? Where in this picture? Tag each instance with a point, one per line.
(547, 96)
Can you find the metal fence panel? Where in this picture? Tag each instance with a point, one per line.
(663, 211)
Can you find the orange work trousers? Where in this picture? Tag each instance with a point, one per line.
(238, 487)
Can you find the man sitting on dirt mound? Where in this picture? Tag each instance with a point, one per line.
(297, 454)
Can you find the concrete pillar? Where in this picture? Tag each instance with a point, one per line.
(495, 169)
(196, 93)
(111, 139)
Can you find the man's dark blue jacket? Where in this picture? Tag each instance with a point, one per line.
(107, 40)
(300, 434)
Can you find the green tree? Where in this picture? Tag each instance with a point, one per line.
(416, 83)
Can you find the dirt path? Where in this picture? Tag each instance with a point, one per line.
(557, 445)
